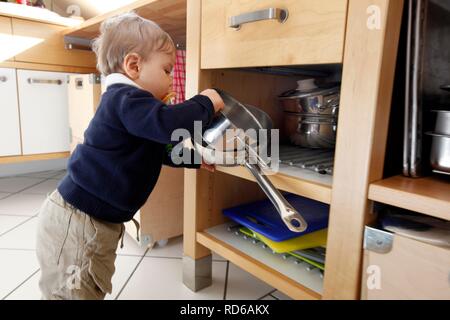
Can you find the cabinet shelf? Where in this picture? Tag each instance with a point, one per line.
(298, 181)
(430, 195)
(291, 279)
(170, 15)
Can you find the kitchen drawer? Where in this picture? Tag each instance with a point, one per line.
(312, 34)
(6, 53)
(396, 267)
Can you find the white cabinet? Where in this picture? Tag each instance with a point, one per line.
(9, 114)
(43, 111)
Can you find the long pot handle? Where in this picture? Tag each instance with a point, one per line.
(291, 218)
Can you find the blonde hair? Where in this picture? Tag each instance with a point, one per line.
(126, 33)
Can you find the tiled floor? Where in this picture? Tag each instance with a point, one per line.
(140, 273)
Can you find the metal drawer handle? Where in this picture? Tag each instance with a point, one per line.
(3, 79)
(266, 14)
(45, 81)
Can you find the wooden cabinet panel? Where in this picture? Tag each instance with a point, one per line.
(83, 98)
(46, 45)
(312, 34)
(409, 270)
(9, 114)
(43, 111)
(5, 38)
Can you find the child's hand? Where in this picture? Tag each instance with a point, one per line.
(215, 98)
(208, 167)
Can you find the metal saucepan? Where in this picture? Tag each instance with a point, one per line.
(440, 153)
(227, 142)
(311, 131)
(442, 122)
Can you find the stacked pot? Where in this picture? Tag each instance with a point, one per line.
(311, 114)
(440, 147)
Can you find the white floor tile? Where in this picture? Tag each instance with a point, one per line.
(174, 249)
(60, 175)
(27, 291)
(130, 247)
(243, 286)
(9, 222)
(161, 279)
(124, 267)
(42, 174)
(4, 194)
(281, 296)
(43, 187)
(22, 237)
(15, 267)
(22, 204)
(15, 184)
(269, 297)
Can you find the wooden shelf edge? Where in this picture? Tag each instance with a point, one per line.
(34, 157)
(99, 19)
(430, 195)
(46, 67)
(305, 188)
(257, 269)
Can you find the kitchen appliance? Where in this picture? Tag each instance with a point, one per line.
(227, 138)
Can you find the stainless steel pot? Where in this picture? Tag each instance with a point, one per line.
(442, 122)
(311, 131)
(307, 98)
(227, 138)
(440, 152)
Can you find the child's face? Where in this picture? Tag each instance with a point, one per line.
(155, 74)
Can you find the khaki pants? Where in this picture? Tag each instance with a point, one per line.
(76, 252)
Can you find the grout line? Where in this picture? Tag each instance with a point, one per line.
(33, 185)
(23, 222)
(132, 273)
(21, 284)
(267, 294)
(226, 281)
(274, 297)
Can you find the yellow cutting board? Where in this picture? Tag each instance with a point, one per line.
(310, 240)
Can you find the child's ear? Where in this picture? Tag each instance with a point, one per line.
(131, 64)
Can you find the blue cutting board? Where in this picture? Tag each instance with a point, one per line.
(263, 218)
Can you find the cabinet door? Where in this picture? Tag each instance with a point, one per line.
(84, 93)
(9, 114)
(43, 111)
(313, 33)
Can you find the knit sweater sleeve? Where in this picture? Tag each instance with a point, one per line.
(147, 117)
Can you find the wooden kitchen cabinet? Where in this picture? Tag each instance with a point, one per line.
(9, 114)
(313, 33)
(47, 45)
(83, 97)
(5, 38)
(396, 267)
(43, 111)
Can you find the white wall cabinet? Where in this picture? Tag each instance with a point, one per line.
(43, 111)
(9, 114)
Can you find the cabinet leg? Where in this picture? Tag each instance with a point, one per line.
(197, 274)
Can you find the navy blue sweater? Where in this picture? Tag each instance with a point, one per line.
(111, 174)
